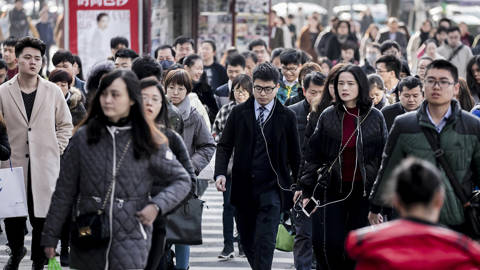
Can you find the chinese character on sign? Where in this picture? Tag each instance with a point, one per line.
(101, 3)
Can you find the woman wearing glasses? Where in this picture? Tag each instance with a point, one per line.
(197, 138)
(349, 138)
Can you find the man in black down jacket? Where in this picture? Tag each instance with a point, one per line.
(411, 97)
(263, 135)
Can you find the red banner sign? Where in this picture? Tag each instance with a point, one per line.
(90, 24)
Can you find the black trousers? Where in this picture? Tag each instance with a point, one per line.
(158, 245)
(332, 225)
(15, 229)
(258, 228)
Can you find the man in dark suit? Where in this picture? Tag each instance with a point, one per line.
(263, 136)
(411, 97)
(394, 34)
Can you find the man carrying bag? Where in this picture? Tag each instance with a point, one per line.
(457, 134)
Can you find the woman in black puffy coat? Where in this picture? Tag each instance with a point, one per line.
(113, 163)
(350, 135)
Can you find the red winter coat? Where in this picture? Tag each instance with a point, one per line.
(412, 244)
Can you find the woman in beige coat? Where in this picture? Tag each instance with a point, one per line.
(39, 126)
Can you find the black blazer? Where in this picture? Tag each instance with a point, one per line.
(390, 112)
(239, 137)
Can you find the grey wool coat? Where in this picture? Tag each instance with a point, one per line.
(85, 175)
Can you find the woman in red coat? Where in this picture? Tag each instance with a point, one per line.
(415, 241)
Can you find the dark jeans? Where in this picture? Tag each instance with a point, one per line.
(15, 229)
(332, 225)
(302, 247)
(228, 215)
(258, 228)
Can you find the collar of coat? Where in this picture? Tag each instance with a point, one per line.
(423, 119)
(43, 87)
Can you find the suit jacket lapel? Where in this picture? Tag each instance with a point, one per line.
(39, 98)
(16, 94)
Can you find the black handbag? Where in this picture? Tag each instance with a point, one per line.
(92, 230)
(471, 207)
(184, 225)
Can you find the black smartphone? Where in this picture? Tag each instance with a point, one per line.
(310, 206)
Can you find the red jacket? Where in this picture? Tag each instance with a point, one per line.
(412, 244)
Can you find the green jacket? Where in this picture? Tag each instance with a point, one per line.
(460, 139)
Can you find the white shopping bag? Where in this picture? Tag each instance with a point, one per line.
(13, 199)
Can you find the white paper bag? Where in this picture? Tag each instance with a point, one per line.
(13, 199)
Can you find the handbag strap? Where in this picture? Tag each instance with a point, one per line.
(454, 53)
(434, 142)
(348, 141)
(110, 188)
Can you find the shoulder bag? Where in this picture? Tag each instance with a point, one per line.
(92, 230)
(471, 207)
(184, 225)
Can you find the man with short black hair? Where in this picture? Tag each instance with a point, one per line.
(124, 58)
(235, 66)
(455, 51)
(389, 67)
(291, 60)
(216, 73)
(39, 126)
(64, 59)
(457, 134)
(391, 47)
(411, 97)
(262, 135)
(9, 56)
(165, 55)
(183, 46)
(117, 43)
(260, 49)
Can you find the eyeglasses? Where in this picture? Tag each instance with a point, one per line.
(154, 100)
(441, 83)
(267, 90)
(291, 69)
(173, 89)
(381, 71)
(240, 92)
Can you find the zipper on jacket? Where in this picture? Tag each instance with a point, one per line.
(110, 218)
(340, 158)
(359, 136)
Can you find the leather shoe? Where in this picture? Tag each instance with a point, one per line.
(14, 260)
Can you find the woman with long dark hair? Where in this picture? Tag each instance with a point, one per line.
(349, 138)
(473, 77)
(107, 175)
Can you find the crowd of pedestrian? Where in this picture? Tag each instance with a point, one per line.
(338, 128)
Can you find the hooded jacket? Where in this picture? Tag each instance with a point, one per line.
(74, 100)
